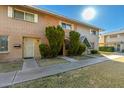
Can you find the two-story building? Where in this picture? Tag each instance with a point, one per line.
(22, 29)
(115, 39)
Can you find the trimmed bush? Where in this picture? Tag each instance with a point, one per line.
(81, 49)
(55, 36)
(94, 52)
(44, 50)
(107, 48)
(74, 42)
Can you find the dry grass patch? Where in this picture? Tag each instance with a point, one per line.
(106, 74)
(10, 66)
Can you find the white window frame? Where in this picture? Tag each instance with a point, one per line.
(24, 15)
(72, 25)
(8, 45)
(19, 11)
(91, 32)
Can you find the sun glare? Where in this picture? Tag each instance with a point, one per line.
(88, 13)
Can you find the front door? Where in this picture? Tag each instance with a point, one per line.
(28, 48)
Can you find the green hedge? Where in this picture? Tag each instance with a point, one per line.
(55, 36)
(74, 42)
(107, 49)
(44, 50)
(94, 52)
(81, 49)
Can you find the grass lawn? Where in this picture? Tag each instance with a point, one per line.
(8, 67)
(51, 61)
(83, 57)
(106, 53)
(107, 74)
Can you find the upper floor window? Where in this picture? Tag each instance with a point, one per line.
(18, 14)
(3, 43)
(113, 36)
(24, 15)
(66, 26)
(29, 17)
(93, 32)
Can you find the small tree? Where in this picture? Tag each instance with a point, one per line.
(74, 42)
(55, 36)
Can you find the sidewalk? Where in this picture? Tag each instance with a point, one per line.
(10, 78)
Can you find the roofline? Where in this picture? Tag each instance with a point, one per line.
(112, 33)
(58, 15)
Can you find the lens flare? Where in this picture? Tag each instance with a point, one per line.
(89, 13)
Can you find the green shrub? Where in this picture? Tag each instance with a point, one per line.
(81, 49)
(55, 36)
(74, 42)
(122, 51)
(107, 48)
(94, 52)
(44, 50)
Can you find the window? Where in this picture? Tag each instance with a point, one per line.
(3, 43)
(113, 36)
(18, 14)
(67, 26)
(93, 32)
(24, 15)
(29, 17)
(63, 25)
(86, 42)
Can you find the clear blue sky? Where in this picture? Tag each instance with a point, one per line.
(107, 17)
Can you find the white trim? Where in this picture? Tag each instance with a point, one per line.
(33, 47)
(60, 23)
(72, 25)
(35, 19)
(90, 31)
(10, 11)
(95, 32)
(23, 11)
(5, 52)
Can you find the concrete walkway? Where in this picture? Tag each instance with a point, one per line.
(11, 78)
(68, 59)
(29, 64)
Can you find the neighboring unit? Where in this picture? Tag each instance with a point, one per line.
(22, 29)
(115, 39)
